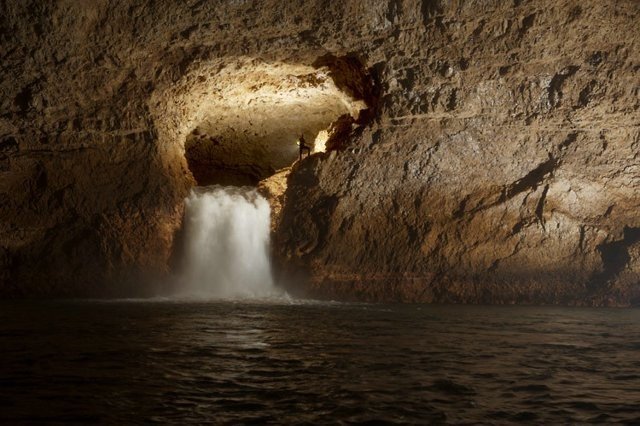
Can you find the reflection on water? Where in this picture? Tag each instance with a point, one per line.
(168, 362)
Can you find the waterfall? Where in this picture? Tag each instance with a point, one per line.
(227, 244)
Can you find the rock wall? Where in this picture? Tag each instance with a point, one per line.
(501, 165)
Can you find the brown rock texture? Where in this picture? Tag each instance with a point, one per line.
(273, 189)
(502, 167)
(499, 161)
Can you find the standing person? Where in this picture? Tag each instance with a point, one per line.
(303, 146)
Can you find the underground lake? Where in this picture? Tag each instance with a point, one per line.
(319, 212)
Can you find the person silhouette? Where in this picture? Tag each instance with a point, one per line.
(302, 143)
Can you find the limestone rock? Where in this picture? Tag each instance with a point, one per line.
(498, 161)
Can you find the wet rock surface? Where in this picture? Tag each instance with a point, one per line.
(500, 165)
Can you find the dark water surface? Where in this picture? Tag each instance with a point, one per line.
(169, 362)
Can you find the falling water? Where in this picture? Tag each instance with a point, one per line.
(227, 242)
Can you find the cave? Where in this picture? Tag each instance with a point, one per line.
(168, 256)
(248, 129)
(245, 131)
(473, 154)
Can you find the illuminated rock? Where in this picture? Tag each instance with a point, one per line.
(496, 161)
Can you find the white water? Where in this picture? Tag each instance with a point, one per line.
(227, 245)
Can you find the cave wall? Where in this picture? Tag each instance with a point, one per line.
(501, 164)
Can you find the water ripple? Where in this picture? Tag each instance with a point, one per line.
(177, 362)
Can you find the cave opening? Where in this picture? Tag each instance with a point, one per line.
(241, 124)
(247, 129)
